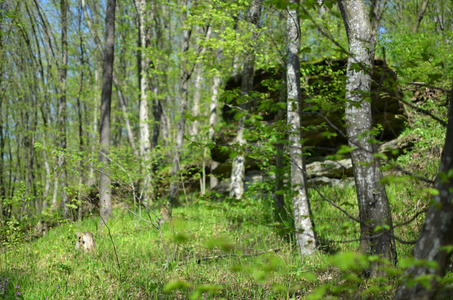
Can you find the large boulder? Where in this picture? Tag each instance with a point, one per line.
(323, 84)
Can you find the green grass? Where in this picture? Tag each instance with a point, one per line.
(208, 251)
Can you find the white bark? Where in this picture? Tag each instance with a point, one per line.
(305, 235)
(48, 177)
(238, 166)
(212, 121)
(145, 142)
(94, 138)
(374, 208)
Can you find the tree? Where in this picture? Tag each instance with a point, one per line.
(376, 231)
(106, 100)
(185, 74)
(61, 122)
(248, 68)
(436, 237)
(305, 235)
(420, 15)
(143, 67)
(2, 139)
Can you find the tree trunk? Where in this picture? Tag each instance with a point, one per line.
(159, 118)
(97, 42)
(376, 13)
(144, 63)
(437, 231)
(420, 15)
(374, 209)
(158, 115)
(197, 87)
(195, 125)
(80, 119)
(213, 181)
(183, 92)
(106, 100)
(61, 173)
(238, 166)
(279, 202)
(305, 235)
(2, 138)
(91, 171)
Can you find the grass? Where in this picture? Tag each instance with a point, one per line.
(208, 250)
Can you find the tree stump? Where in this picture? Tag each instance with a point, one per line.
(165, 214)
(85, 242)
(40, 229)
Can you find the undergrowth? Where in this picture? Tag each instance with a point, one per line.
(210, 249)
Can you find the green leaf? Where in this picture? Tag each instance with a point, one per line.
(182, 237)
(448, 248)
(329, 134)
(434, 77)
(344, 149)
(318, 293)
(176, 285)
(430, 191)
(350, 261)
(221, 242)
(238, 115)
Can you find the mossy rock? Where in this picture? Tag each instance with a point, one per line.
(323, 84)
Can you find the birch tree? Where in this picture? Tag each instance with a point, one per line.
(144, 16)
(305, 235)
(374, 209)
(248, 68)
(106, 100)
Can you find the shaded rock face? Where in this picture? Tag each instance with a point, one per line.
(323, 105)
(330, 168)
(326, 172)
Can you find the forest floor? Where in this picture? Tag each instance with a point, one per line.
(210, 250)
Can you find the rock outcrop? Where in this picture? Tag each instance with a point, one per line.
(322, 116)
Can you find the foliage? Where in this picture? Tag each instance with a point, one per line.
(209, 249)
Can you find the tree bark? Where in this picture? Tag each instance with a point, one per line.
(248, 69)
(2, 138)
(144, 63)
(213, 181)
(374, 209)
(183, 92)
(91, 171)
(437, 231)
(420, 15)
(106, 100)
(376, 13)
(279, 202)
(305, 235)
(80, 119)
(97, 42)
(195, 124)
(61, 175)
